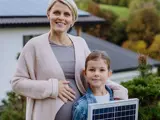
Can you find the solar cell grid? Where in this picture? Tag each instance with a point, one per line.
(127, 111)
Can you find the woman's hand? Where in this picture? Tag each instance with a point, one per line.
(65, 93)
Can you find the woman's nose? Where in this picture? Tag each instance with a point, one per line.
(61, 17)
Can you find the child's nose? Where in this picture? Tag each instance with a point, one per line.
(96, 72)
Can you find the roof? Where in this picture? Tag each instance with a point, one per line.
(11, 21)
(27, 8)
(121, 59)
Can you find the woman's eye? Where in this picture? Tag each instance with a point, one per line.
(67, 14)
(56, 12)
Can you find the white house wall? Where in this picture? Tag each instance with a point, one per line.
(11, 42)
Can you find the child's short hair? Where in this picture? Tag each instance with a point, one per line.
(96, 55)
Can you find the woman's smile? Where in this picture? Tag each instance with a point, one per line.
(60, 17)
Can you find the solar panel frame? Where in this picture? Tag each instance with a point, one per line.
(113, 104)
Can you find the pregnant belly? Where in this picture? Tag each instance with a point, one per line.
(65, 112)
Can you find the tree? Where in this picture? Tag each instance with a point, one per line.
(140, 4)
(154, 49)
(116, 33)
(13, 107)
(83, 4)
(143, 21)
(137, 46)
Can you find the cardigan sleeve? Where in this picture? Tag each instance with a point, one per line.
(119, 91)
(24, 81)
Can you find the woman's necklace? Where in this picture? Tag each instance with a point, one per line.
(66, 42)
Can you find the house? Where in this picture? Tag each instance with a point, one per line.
(21, 20)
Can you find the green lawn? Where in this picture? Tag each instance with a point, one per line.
(122, 12)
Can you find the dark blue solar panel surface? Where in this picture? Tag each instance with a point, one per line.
(125, 112)
(26, 8)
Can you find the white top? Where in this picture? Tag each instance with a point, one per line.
(103, 99)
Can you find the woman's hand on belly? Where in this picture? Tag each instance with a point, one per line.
(65, 93)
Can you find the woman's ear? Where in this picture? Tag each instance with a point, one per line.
(48, 16)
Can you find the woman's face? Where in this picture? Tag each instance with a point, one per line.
(60, 17)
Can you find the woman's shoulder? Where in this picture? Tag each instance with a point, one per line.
(38, 40)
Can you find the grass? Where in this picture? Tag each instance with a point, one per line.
(122, 12)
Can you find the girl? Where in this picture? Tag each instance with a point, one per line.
(97, 71)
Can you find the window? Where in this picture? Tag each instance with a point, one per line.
(26, 38)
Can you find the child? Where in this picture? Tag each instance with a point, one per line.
(97, 71)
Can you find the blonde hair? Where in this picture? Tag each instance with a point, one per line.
(70, 3)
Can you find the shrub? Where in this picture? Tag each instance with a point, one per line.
(154, 49)
(146, 88)
(137, 46)
(143, 21)
(13, 107)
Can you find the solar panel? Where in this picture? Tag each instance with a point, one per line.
(114, 110)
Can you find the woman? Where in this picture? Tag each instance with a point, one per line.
(46, 75)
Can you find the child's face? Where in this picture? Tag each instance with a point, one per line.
(97, 73)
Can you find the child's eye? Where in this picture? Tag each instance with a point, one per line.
(91, 70)
(102, 70)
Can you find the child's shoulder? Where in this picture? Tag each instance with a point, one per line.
(82, 102)
(80, 109)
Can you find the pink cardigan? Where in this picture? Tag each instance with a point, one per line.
(38, 72)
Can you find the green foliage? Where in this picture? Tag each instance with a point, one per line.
(13, 107)
(83, 4)
(108, 15)
(93, 8)
(121, 12)
(141, 4)
(144, 25)
(116, 33)
(146, 88)
(154, 49)
(114, 2)
(113, 30)
(137, 46)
